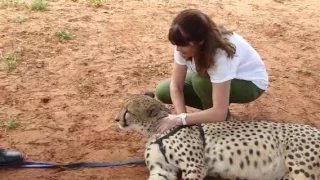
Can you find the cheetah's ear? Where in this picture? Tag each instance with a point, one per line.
(151, 94)
(153, 111)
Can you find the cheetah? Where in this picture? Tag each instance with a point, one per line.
(251, 149)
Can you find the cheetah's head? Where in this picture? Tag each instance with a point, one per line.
(140, 112)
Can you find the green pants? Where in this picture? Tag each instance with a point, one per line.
(198, 91)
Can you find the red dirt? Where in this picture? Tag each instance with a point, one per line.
(122, 48)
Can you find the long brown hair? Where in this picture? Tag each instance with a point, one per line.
(192, 25)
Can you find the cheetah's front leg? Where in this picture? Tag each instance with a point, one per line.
(292, 176)
(194, 172)
(162, 176)
(158, 167)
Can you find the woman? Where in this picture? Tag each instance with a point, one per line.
(213, 67)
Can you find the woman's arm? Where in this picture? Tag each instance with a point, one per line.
(220, 98)
(176, 87)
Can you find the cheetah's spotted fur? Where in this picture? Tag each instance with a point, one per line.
(261, 150)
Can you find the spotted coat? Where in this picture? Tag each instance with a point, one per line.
(237, 150)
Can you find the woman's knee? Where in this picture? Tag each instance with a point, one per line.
(202, 85)
(163, 91)
(203, 88)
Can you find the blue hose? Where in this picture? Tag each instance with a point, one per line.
(35, 164)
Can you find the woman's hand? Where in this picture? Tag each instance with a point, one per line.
(167, 123)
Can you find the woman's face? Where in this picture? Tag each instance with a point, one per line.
(187, 51)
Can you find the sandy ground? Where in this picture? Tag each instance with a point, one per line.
(64, 94)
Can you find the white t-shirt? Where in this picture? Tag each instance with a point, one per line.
(245, 65)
